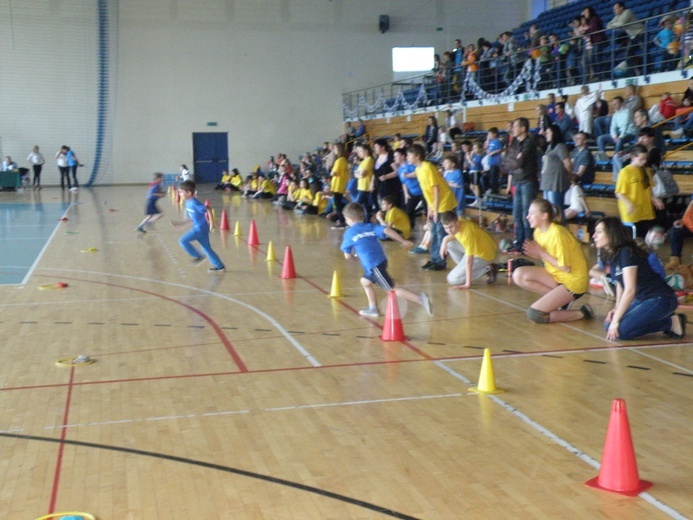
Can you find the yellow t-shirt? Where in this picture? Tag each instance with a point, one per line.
(268, 187)
(475, 241)
(564, 247)
(340, 176)
(398, 220)
(629, 183)
(226, 179)
(320, 202)
(366, 167)
(236, 180)
(253, 184)
(428, 177)
(304, 195)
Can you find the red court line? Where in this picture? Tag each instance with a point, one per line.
(63, 435)
(220, 334)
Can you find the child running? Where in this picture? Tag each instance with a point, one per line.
(198, 214)
(154, 193)
(361, 240)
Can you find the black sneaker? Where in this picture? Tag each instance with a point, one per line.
(427, 265)
(434, 267)
(682, 321)
(587, 312)
(216, 269)
(196, 261)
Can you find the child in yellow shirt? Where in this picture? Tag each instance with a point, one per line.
(393, 217)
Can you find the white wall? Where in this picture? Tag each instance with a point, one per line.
(269, 72)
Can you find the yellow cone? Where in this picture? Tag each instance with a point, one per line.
(237, 230)
(336, 290)
(487, 383)
(270, 252)
(213, 220)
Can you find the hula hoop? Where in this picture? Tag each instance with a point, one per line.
(84, 516)
(70, 362)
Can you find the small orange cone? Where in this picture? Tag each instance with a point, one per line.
(487, 383)
(392, 329)
(618, 471)
(252, 234)
(288, 271)
(336, 290)
(237, 229)
(224, 224)
(270, 252)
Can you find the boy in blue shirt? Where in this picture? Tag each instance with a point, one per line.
(198, 214)
(154, 193)
(493, 152)
(362, 240)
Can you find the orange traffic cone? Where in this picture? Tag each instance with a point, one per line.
(619, 471)
(288, 271)
(252, 234)
(224, 224)
(392, 329)
(487, 383)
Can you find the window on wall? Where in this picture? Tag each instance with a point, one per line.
(410, 61)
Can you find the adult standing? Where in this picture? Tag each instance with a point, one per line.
(73, 164)
(644, 302)
(37, 161)
(525, 179)
(624, 21)
(431, 133)
(385, 180)
(61, 160)
(592, 29)
(339, 177)
(556, 169)
(583, 108)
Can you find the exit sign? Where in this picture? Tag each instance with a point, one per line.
(212, 123)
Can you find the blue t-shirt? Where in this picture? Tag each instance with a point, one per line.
(362, 239)
(153, 191)
(352, 185)
(648, 284)
(476, 163)
(413, 186)
(665, 37)
(494, 145)
(70, 156)
(455, 177)
(197, 212)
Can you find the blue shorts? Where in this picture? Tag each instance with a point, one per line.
(151, 208)
(380, 276)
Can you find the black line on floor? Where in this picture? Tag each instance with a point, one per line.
(512, 351)
(263, 330)
(34, 322)
(163, 325)
(435, 343)
(196, 326)
(594, 361)
(227, 469)
(551, 355)
(682, 374)
(62, 322)
(365, 337)
(295, 332)
(229, 328)
(638, 368)
(471, 346)
(330, 334)
(130, 324)
(96, 323)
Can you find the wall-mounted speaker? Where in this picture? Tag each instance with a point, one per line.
(384, 23)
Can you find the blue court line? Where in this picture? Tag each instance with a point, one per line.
(26, 230)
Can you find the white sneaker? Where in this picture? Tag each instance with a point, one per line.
(474, 204)
(371, 313)
(677, 133)
(426, 303)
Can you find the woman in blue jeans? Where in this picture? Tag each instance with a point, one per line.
(644, 302)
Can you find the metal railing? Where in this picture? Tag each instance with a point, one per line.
(501, 78)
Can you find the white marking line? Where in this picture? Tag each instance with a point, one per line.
(237, 412)
(43, 249)
(565, 444)
(300, 348)
(660, 360)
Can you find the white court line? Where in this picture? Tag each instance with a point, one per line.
(660, 360)
(43, 249)
(563, 443)
(300, 348)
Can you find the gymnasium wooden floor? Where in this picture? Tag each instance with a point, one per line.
(244, 396)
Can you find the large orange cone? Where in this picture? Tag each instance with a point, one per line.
(392, 329)
(224, 224)
(237, 230)
(487, 383)
(252, 234)
(619, 471)
(270, 252)
(288, 271)
(336, 290)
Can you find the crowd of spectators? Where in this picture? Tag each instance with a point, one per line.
(585, 51)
